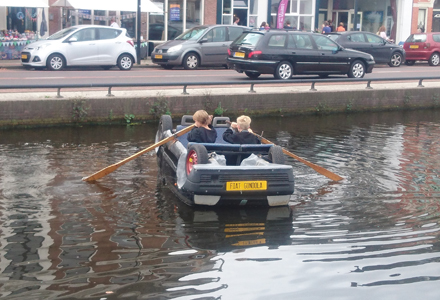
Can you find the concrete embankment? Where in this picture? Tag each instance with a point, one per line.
(94, 107)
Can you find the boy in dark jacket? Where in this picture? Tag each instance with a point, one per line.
(203, 132)
(242, 133)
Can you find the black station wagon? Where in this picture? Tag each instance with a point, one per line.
(285, 53)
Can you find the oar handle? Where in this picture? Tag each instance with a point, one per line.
(113, 167)
(317, 168)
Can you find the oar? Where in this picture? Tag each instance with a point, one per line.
(317, 168)
(113, 167)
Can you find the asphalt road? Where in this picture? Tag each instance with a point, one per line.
(157, 74)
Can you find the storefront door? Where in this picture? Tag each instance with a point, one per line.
(351, 26)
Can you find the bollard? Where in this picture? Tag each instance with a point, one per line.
(313, 87)
(420, 83)
(110, 92)
(59, 93)
(184, 90)
(369, 85)
(252, 88)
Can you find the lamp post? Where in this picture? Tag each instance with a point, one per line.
(138, 32)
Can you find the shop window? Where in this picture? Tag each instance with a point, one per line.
(305, 7)
(22, 19)
(99, 17)
(175, 18)
(156, 28)
(193, 13)
(128, 21)
(323, 4)
(227, 7)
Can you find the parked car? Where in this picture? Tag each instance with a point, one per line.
(285, 53)
(83, 45)
(198, 46)
(423, 46)
(383, 51)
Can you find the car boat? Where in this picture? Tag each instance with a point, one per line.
(221, 173)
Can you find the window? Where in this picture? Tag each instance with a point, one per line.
(107, 34)
(356, 38)
(216, 35)
(303, 41)
(248, 39)
(291, 42)
(277, 41)
(436, 38)
(234, 32)
(324, 43)
(84, 35)
(374, 39)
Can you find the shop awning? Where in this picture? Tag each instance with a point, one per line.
(127, 5)
(24, 3)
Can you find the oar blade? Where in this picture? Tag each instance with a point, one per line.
(101, 173)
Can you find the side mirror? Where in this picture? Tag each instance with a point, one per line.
(205, 40)
(73, 39)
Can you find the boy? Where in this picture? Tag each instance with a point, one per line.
(243, 134)
(203, 132)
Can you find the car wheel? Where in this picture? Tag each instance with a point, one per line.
(357, 69)
(252, 75)
(434, 60)
(410, 62)
(191, 61)
(396, 60)
(165, 123)
(197, 154)
(276, 155)
(167, 67)
(125, 62)
(284, 71)
(55, 62)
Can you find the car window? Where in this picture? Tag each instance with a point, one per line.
(374, 39)
(192, 34)
(234, 32)
(291, 42)
(87, 34)
(217, 34)
(356, 38)
(108, 33)
(248, 38)
(303, 41)
(417, 38)
(436, 38)
(62, 33)
(324, 43)
(277, 40)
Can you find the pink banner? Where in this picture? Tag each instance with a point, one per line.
(281, 13)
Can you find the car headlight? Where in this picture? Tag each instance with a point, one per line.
(174, 48)
(42, 46)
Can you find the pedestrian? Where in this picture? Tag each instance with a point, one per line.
(236, 20)
(264, 26)
(341, 27)
(382, 33)
(241, 133)
(203, 132)
(113, 23)
(330, 24)
(287, 25)
(326, 29)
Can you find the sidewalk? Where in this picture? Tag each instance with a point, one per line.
(16, 64)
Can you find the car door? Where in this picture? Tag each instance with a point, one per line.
(330, 59)
(214, 47)
(109, 46)
(81, 48)
(303, 53)
(379, 49)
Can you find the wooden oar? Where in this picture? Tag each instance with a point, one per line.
(317, 168)
(113, 167)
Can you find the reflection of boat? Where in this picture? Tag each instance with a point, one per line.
(220, 173)
(222, 229)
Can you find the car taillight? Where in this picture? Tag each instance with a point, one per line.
(254, 53)
(130, 42)
(229, 52)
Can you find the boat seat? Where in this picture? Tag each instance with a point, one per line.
(219, 123)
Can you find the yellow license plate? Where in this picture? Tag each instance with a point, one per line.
(158, 56)
(414, 46)
(23, 56)
(246, 185)
(239, 54)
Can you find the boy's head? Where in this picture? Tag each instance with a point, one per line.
(201, 117)
(243, 123)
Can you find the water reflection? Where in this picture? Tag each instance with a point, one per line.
(127, 237)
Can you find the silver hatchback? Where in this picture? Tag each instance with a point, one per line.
(83, 45)
(198, 46)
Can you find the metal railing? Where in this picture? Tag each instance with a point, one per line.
(185, 85)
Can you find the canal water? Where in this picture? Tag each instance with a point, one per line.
(374, 235)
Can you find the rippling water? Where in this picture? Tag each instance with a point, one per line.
(373, 236)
